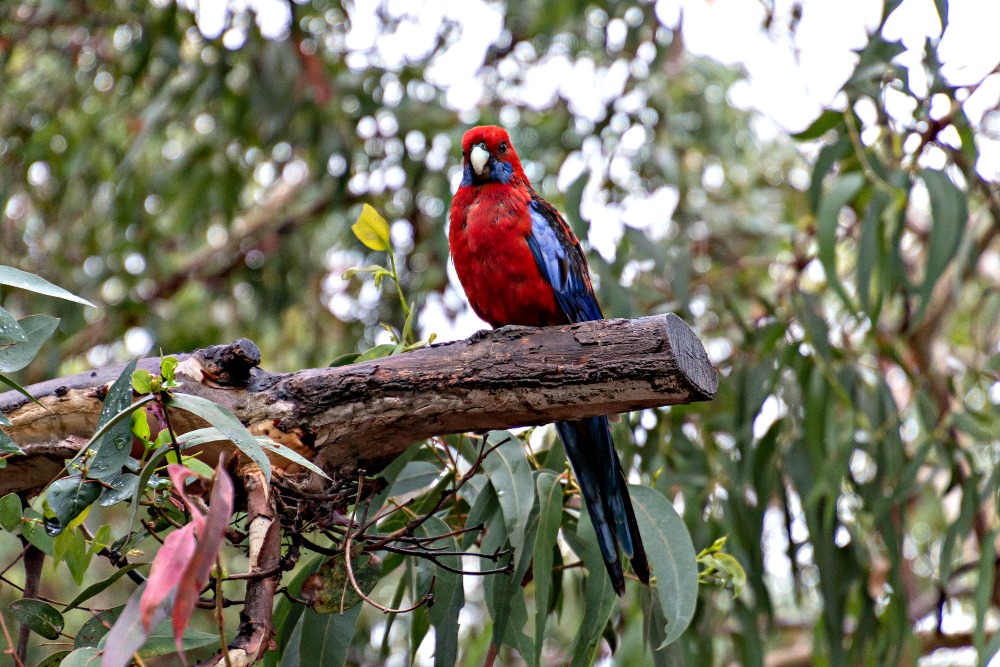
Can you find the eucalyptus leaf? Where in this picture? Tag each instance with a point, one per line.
(29, 281)
(38, 616)
(672, 558)
(36, 329)
(227, 423)
(115, 445)
(509, 472)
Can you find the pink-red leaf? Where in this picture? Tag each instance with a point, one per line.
(210, 537)
(179, 475)
(168, 567)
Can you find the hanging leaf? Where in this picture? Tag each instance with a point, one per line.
(671, 556)
(69, 497)
(949, 214)
(227, 423)
(94, 589)
(10, 512)
(29, 281)
(39, 617)
(115, 446)
(414, 476)
(82, 657)
(549, 515)
(449, 596)
(509, 472)
(842, 192)
(11, 332)
(598, 594)
(93, 631)
(326, 638)
(37, 329)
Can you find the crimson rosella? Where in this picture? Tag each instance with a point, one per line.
(520, 263)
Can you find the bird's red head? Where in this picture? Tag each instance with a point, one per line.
(488, 156)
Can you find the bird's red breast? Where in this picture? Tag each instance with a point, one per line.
(489, 226)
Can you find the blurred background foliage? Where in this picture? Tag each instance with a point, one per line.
(199, 185)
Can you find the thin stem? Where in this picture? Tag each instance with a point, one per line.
(220, 619)
(399, 288)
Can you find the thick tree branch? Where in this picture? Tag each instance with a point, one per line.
(364, 415)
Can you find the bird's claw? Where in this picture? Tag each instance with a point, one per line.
(479, 335)
(513, 329)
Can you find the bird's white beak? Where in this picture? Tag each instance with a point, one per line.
(479, 156)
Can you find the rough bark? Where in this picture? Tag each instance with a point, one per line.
(363, 415)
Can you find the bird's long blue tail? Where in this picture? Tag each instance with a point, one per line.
(598, 471)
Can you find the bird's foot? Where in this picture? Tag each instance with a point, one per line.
(479, 335)
(508, 330)
(513, 330)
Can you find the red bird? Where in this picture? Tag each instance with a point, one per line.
(520, 263)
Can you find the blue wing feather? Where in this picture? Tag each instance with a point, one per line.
(561, 262)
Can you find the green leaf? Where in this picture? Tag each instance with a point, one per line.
(88, 656)
(984, 589)
(11, 332)
(326, 638)
(598, 594)
(18, 388)
(140, 425)
(414, 476)
(549, 515)
(94, 589)
(827, 120)
(161, 641)
(372, 229)
(91, 632)
(508, 470)
(142, 381)
(227, 423)
(115, 446)
(33, 530)
(449, 597)
(290, 454)
(959, 530)
(10, 512)
(809, 311)
(54, 659)
(40, 617)
(76, 556)
(377, 352)
(69, 496)
(122, 487)
(828, 156)
(3, 420)
(950, 213)
(29, 281)
(168, 366)
(842, 192)
(287, 615)
(671, 557)
(8, 446)
(37, 329)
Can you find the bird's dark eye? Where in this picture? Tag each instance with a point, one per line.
(503, 147)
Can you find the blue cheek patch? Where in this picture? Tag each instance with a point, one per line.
(466, 176)
(501, 171)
